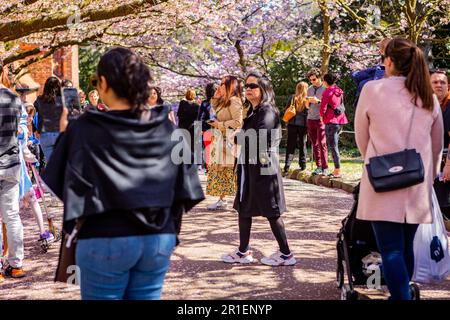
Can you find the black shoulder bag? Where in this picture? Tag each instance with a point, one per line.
(397, 170)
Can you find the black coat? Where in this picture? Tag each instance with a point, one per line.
(187, 113)
(105, 163)
(262, 190)
(48, 114)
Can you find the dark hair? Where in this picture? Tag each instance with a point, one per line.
(265, 85)
(1, 67)
(66, 83)
(330, 78)
(127, 75)
(159, 99)
(52, 89)
(410, 62)
(314, 72)
(210, 89)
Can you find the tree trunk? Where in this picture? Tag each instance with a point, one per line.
(326, 48)
(242, 62)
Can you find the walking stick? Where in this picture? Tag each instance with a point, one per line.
(5, 241)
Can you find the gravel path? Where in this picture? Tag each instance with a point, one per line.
(314, 217)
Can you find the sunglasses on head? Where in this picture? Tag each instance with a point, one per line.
(251, 86)
(93, 80)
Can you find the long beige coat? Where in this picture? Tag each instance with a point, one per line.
(229, 118)
(382, 117)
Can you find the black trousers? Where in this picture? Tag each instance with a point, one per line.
(278, 230)
(297, 136)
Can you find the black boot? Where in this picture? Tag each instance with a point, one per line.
(289, 158)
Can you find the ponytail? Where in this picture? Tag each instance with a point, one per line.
(410, 61)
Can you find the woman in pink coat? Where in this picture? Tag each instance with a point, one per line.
(383, 117)
(332, 99)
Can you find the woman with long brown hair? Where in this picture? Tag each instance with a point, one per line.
(296, 127)
(387, 111)
(228, 109)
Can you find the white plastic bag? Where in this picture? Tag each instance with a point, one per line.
(431, 251)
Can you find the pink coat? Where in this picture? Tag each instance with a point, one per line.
(331, 99)
(382, 117)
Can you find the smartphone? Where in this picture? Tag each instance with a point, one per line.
(71, 101)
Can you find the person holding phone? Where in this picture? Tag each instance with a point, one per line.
(316, 127)
(121, 187)
(228, 109)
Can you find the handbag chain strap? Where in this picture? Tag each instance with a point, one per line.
(409, 132)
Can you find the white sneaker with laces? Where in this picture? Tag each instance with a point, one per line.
(279, 259)
(222, 204)
(238, 257)
(218, 205)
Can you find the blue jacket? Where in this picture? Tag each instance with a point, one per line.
(364, 76)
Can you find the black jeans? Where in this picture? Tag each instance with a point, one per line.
(296, 133)
(332, 132)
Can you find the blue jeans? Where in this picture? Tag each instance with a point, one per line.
(131, 268)
(395, 242)
(47, 141)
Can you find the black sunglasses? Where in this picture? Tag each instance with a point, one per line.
(251, 86)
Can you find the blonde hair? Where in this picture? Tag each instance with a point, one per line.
(301, 90)
(190, 95)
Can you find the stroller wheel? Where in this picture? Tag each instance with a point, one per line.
(415, 291)
(339, 275)
(348, 294)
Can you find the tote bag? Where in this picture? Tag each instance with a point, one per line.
(431, 252)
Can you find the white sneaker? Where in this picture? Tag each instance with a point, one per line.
(218, 205)
(238, 257)
(279, 259)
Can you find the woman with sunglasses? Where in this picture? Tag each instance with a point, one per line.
(260, 186)
(227, 108)
(121, 190)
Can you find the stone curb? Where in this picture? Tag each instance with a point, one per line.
(319, 180)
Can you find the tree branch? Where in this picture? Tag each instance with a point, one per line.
(19, 29)
(360, 20)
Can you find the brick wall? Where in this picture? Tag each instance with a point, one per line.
(63, 63)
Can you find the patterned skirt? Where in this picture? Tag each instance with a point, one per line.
(221, 181)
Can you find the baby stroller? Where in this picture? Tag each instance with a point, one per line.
(356, 241)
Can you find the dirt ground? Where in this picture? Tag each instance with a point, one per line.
(196, 272)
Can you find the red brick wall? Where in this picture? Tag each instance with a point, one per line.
(60, 64)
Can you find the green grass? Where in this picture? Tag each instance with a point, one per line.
(351, 166)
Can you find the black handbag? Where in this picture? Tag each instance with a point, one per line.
(396, 170)
(339, 109)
